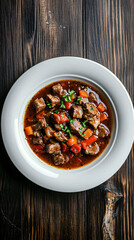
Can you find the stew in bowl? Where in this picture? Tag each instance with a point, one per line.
(68, 124)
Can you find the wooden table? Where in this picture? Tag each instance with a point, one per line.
(32, 31)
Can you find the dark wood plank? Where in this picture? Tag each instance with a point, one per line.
(50, 29)
(108, 40)
(11, 69)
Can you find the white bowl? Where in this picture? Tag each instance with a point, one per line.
(24, 158)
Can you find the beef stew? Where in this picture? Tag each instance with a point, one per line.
(68, 124)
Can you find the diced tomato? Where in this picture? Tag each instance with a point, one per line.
(68, 105)
(64, 147)
(40, 115)
(76, 148)
(89, 141)
(60, 118)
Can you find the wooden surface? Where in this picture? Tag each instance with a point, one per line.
(35, 30)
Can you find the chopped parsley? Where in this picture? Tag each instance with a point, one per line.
(84, 123)
(56, 111)
(49, 105)
(83, 135)
(67, 98)
(91, 108)
(62, 104)
(66, 129)
(80, 130)
(72, 121)
(78, 99)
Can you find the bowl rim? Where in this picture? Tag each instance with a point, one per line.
(52, 178)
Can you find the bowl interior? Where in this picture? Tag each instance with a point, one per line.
(32, 158)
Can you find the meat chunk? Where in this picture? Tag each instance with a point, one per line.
(92, 149)
(59, 159)
(58, 90)
(92, 97)
(37, 134)
(60, 136)
(37, 126)
(46, 139)
(103, 131)
(90, 110)
(77, 127)
(77, 112)
(58, 127)
(39, 105)
(43, 122)
(53, 148)
(49, 132)
(94, 121)
(37, 140)
(82, 100)
(54, 100)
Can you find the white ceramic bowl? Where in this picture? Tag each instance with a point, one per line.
(21, 154)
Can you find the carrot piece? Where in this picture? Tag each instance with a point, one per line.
(83, 94)
(103, 117)
(89, 141)
(101, 107)
(87, 133)
(72, 141)
(76, 148)
(29, 130)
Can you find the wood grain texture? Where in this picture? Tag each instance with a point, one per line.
(32, 31)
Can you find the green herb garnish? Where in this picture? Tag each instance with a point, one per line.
(83, 123)
(72, 121)
(83, 135)
(80, 130)
(49, 105)
(62, 104)
(56, 111)
(61, 125)
(69, 132)
(91, 108)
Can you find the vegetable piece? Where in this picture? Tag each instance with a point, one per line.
(101, 107)
(68, 105)
(63, 147)
(72, 141)
(29, 130)
(83, 94)
(87, 133)
(76, 148)
(60, 118)
(103, 117)
(40, 115)
(89, 141)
